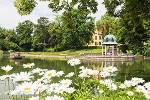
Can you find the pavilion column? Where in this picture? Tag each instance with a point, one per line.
(113, 50)
(102, 49)
(105, 49)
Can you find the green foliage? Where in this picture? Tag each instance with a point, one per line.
(134, 30)
(41, 35)
(50, 50)
(25, 7)
(24, 31)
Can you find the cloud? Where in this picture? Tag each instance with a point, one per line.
(9, 17)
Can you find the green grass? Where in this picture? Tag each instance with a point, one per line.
(69, 52)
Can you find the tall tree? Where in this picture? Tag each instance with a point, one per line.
(55, 34)
(77, 27)
(24, 31)
(41, 35)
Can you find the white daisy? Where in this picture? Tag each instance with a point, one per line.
(28, 65)
(26, 88)
(129, 83)
(40, 87)
(147, 85)
(137, 80)
(74, 61)
(147, 94)
(66, 82)
(59, 73)
(104, 74)
(49, 74)
(140, 88)
(122, 86)
(70, 90)
(36, 70)
(130, 93)
(60, 89)
(110, 69)
(70, 74)
(6, 68)
(112, 86)
(22, 76)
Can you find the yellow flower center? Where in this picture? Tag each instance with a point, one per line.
(110, 69)
(60, 90)
(27, 88)
(49, 74)
(28, 64)
(39, 86)
(66, 83)
(140, 88)
(148, 93)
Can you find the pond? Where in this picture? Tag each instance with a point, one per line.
(126, 69)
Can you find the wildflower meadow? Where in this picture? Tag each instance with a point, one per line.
(81, 84)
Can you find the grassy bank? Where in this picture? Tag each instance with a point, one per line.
(69, 52)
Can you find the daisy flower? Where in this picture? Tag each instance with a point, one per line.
(122, 86)
(104, 74)
(129, 83)
(60, 89)
(40, 87)
(130, 93)
(49, 74)
(70, 90)
(54, 85)
(70, 74)
(6, 68)
(28, 65)
(59, 73)
(147, 94)
(110, 69)
(137, 80)
(22, 76)
(107, 82)
(36, 70)
(66, 82)
(14, 92)
(3, 77)
(112, 86)
(147, 85)
(26, 88)
(140, 88)
(74, 61)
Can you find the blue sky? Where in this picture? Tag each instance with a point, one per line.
(9, 18)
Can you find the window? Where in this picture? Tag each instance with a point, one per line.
(100, 37)
(99, 43)
(95, 37)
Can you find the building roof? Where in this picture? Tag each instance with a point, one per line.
(109, 40)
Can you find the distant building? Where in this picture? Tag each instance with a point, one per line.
(97, 38)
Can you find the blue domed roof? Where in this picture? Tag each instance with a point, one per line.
(109, 39)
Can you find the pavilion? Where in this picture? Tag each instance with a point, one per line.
(109, 45)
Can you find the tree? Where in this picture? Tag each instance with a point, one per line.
(77, 27)
(41, 35)
(24, 31)
(25, 7)
(55, 34)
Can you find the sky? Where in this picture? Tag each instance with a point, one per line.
(9, 17)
